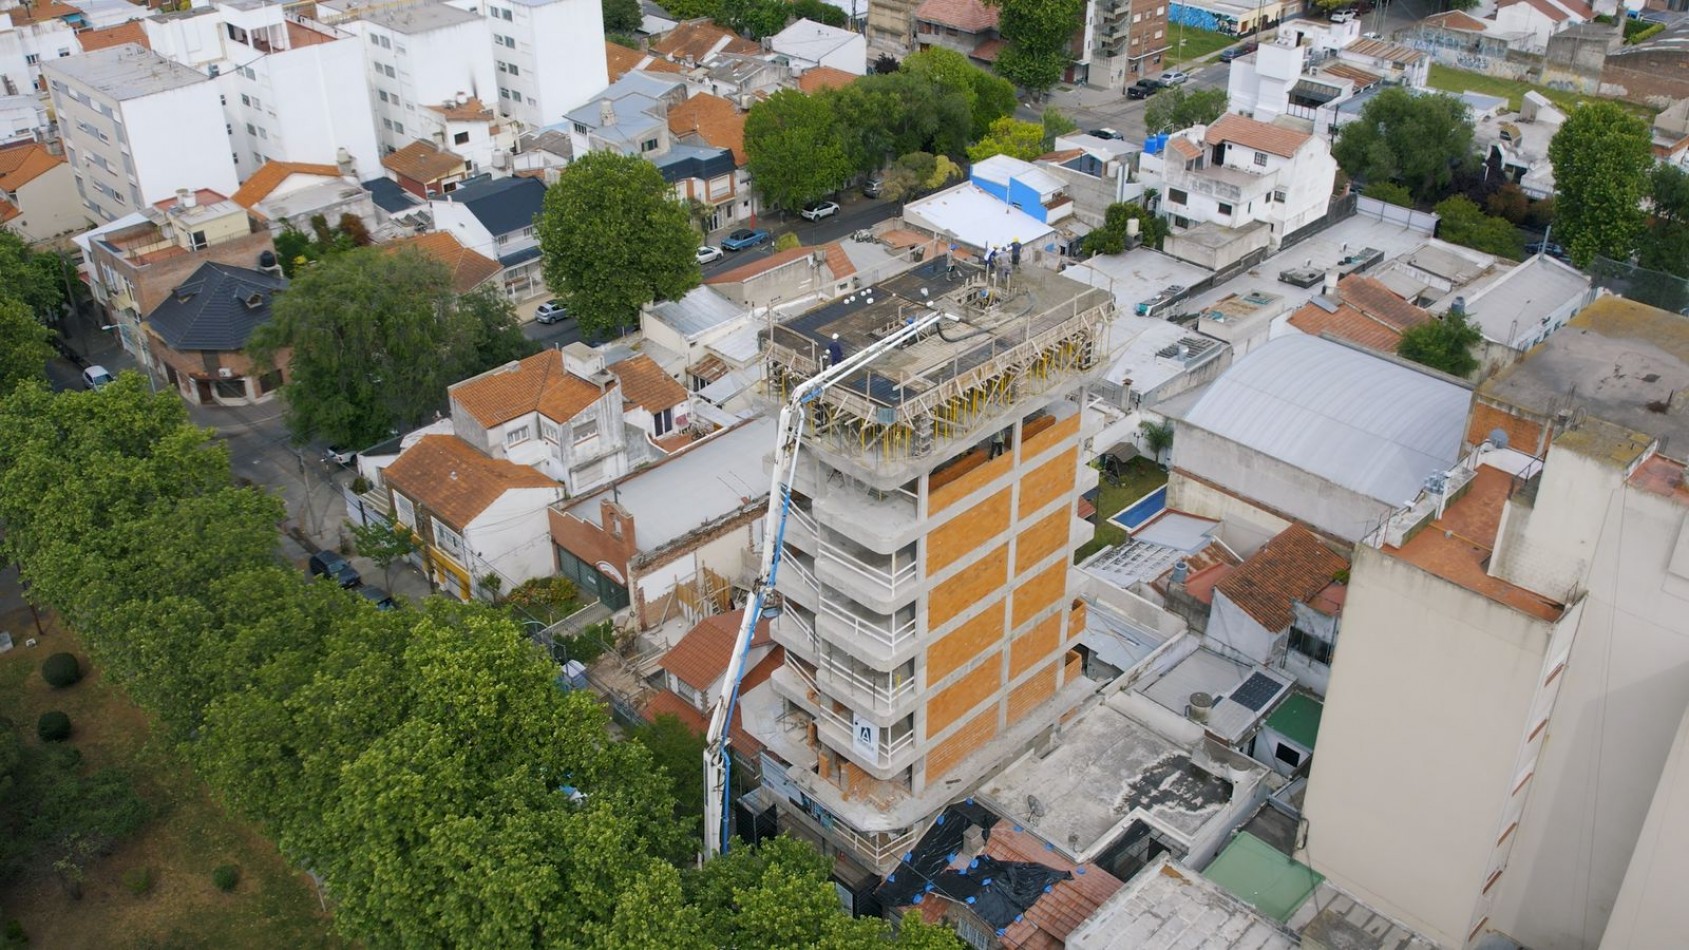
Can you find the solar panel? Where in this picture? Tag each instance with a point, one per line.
(1256, 691)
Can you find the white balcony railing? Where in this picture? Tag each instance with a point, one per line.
(886, 750)
(889, 633)
(895, 578)
(882, 693)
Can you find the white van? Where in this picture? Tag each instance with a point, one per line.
(97, 376)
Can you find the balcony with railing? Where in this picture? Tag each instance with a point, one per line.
(880, 520)
(871, 636)
(893, 750)
(878, 694)
(794, 629)
(883, 582)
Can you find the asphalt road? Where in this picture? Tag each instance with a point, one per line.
(1095, 109)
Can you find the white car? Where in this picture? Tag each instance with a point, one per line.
(97, 376)
(818, 210)
(707, 254)
(1174, 78)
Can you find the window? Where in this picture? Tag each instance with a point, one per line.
(387, 124)
(1278, 196)
(256, 104)
(381, 94)
(584, 431)
(251, 129)
(548, 430)
(1287, 755)
(1137, 17)
(373, 41)
(503, 67)
(514, 71)
(448, 540)
(263, 133)
(519, 434)
(532, 101)
(528, 232)
(31, 59)
(399, 128)
(1177, 196)
(460, 138)
(197, 241)
(1261, 159)
(649, 145)
(390, 72)
(1310, 646)
(505, 14)
(404, 510)
(662, 423)
(245, 99)
(1225, 209)
(399, 49)
(385, 43)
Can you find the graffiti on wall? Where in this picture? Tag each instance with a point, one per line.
(1200, 18)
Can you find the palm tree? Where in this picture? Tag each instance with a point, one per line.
(1158, 438)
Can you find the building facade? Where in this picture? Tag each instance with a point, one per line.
(549, 55)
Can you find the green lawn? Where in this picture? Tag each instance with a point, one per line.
(1457, 81)
(1141, 477)
(1188, 43)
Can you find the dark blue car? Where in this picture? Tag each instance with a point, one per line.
(743, 238)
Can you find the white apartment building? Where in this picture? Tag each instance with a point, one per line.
(31, 36)
(1238, 171)
(137, 127)
(283, 80)
(418, 55)
(549, 55)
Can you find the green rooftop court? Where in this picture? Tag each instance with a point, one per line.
(1262, 877)
(1298, 719)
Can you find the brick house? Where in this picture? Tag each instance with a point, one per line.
(197, 336)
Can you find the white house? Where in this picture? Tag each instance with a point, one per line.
(1537, 20)
(283, 78)
(1281, 607)
(32, 35)
(22, 119)
(1240, 171)
(38, 193)
(137, 127)
(288, 194)
(629, 116)
(549, 55)
(696, 666)
(417, 55)
(495, 218)
(477, 517)
(807, 44)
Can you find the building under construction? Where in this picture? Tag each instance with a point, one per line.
(927, 622)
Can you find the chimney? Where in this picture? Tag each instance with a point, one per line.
(1330, 290)
(606, 113)
(973, 842)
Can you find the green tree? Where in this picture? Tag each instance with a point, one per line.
(1667, 245)
(1390, 193)
(1038, 34)
(1462, 222)
(1445, 344)
(754, 18)
(693, 9)
(386, 543)
(1056, 124)
(820, 11)
(375, 337)
(622, 16)
(1416, 140)
(1602, 156)
(1179, 108)
(1111, 237)
(1011, 137)
(1158, 438)
(988, 97)
(614, 239)
(36, 279)
(791, 150)
(24, 347)
(679, 753)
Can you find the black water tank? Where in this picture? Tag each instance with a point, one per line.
(266, 259)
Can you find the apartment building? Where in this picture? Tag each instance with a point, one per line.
(549, 55)
(31, 35)
(1239, 172)
(137, 127)
(1125, 41)
(417, 55)
(283, 78)
(926, 608)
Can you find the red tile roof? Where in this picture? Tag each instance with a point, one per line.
(538, 383)
(968, 16)
(1186, 147)
(756, 267)
(130, 32)
(700, 658)
(41, 12)
(22, 164)
(1389, 52)
(457, 483)
(1234, 129)
(697, 39)
(469, 269)
(825, 77)
(838, 261)
(988, 50)
(8, 211)
(471, 110)
(423, 161)
(666, 702)
(714, 119)
(270, 176)
(646, 385)
(1455, 20)
(1058, 913)
(1294, 566)
(622, 61)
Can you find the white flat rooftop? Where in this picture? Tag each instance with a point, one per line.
(127, 71)
(1135, 276)
(1322, 251)
(973, 216)
(1138, 345)
(1169, 905)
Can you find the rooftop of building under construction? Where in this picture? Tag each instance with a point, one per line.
(1017, 333)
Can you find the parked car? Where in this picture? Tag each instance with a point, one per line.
(706, 254)
(1550, 248)
(872, 187)
(380, 598)
(1174, 78)
(552, 311)
(97, 376)
(331, 565)
(1343, 16)
(1372, 36)
(1109, 134)
(338, 456)
(744, 238)
(816, 210)
(1238, 52)
(1143, 89)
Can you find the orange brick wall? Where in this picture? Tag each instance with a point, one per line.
(1076, 620)
(1049, 481)
(1047, 535)
(973, 584)
(971, 639)
(1065, 429)
(1029, 694)
(979, 730)
(949, 493)
(960, 697)
(968, 531)
(1035, 646)
(1522, 434)
(1037, 592)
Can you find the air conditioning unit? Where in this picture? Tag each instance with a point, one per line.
(223, 372)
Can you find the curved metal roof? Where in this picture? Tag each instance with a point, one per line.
(1365, 423)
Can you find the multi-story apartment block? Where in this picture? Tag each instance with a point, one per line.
(1125, 40)
(927, 619)
(418, 55)
(283, 78)
(137, 127)
(549, 55)
(32, 34)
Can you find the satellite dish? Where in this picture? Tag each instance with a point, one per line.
(1498, 438)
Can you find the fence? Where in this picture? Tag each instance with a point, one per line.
(1652, 287)
(1424, 222)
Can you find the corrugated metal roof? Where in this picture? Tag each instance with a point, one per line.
(1365, 423)
(701, 310)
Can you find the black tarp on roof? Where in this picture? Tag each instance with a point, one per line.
(999, 892)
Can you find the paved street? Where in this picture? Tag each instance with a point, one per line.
(1104, 109)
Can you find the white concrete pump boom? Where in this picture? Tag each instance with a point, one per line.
(788, 438)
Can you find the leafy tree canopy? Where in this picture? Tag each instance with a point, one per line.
(1055, 123)
(1111, 237)
(24, 346)
(820, 11)
(1011, 137)
(989, 97)
(792, 150)
(1390, 193)
(1037, 33)
(37, 279)
(1180, 108)
(1414, 140)
(1667, 244)
(622, 16)
(1602, 156)
(1462, 222)
(1445, 344)
(613, 239)
(754, 18)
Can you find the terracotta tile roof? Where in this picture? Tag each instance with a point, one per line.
(469, 269)
(838, 261)
(715, 120)
(646, 385)
(130, 32)
(22, 164)
(1353, 73)
(8, 211)
(1294, 566)
(700, 658)
(988, 51)
(698, 39)
(969, 16)
(423, 161)
(756, 267)
(270, 176)
(666, 702)
(1235, 129)
(622, 61)
(455, 482)
(1455, 20)
(1372, 298)
(1369, 314)
(536, 384)
(1186, 147)
(1049, 921)
(1541, 6)
(473, 110)
(824, 77)
(42, 11)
